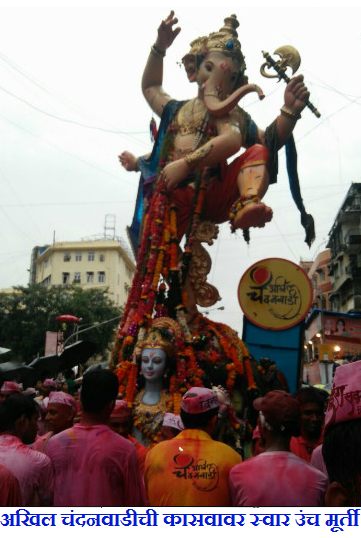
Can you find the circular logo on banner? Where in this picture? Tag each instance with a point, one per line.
(275, 294)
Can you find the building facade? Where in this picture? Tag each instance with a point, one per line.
(318, 272)
(345, 246)
(102, 263)
(333, 328)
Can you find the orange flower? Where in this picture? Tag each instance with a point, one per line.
(131, 386)
(250, 379)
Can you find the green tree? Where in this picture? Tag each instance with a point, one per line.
(29, 312)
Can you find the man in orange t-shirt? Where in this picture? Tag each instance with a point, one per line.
(191, 469)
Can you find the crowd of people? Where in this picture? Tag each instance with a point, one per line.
(55, 450)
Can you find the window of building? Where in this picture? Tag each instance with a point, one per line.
(91, 256)
(46, 281)
(77, 278)
(78, 256)
(101, 257)
(89, 277)
(101, 276)
(128, 272)
(46, 262)
(66, 278)
(321, 275)
(336, 303)
(67, 257)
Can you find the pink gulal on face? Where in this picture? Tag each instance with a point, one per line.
(225, 66)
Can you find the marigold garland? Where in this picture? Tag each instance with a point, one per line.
(177, 401)
(132, 384)
(250, 379)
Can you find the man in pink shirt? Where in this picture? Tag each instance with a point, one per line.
(10, 494)
(60, 413)
(277, 477)
(18, 424)
(93, 465)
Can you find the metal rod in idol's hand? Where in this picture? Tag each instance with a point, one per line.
(289, 58)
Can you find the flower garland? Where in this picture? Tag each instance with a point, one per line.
(150, 261)
(200, 183)
(132, 384)
(149, 418)
(175, 397)
(250, 379)
(173, 243)
(122, 373)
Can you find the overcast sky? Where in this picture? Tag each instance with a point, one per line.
(70, 102)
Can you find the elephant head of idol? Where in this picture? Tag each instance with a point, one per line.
(217, 64)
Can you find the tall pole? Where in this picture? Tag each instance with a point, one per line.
(94, 326)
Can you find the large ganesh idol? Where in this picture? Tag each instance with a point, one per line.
(186, 189)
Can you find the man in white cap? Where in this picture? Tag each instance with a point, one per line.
(120, 421)
(60, 412)
(342, 440)
(172, 425)
(191, 469)
(7, 388)
(48, 386)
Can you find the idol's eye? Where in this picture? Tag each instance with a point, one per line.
(157, 360)
(145, 360)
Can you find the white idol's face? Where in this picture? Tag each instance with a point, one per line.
(153, 364)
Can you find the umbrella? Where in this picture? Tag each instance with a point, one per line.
(48, 365)
(98, 366)
(77, 353)
(67, 318)
(16, 371)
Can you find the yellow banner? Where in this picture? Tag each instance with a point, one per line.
(275, 294)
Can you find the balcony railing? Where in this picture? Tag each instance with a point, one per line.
(353, 241)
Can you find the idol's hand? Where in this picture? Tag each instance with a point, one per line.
(174, 173)
(223, 398)
(295, 95)
(128, 161)
(166, 32)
